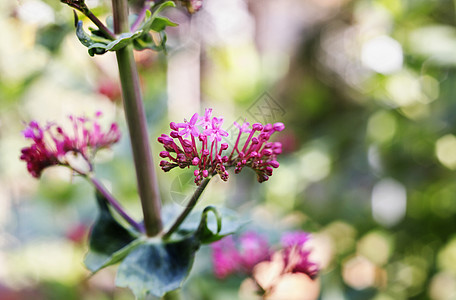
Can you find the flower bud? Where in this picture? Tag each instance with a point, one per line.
(195, 161)
(173, 126)
(257, 127)
(279, 126)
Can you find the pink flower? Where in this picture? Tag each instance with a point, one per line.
(296, 256)
(216, 132)
(231, 256)
(207, 119)
(51, 144)
(244, 127)
(225, 257)
(189, 127)
(242, 255)
(253, 248)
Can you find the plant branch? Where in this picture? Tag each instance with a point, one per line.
(100, 25)
(82, 7)
(141, 15)
(116, 205)
(191, 204)
(137, 125)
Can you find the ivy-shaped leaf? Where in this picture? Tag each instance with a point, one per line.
(209, 228)
(151, 17)
(160, 23)
(109, 241)
(157, 267)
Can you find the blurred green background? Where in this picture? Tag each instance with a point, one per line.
(366, 91)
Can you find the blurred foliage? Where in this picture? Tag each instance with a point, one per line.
(367, 89)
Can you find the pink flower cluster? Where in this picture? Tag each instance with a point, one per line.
(51, 143)
(198, 142)
(231, 256)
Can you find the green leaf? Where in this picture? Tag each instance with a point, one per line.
(146, 41)
(160, 24)
(209, 228)
(157, 267)
(94, 47)
(123, 40)
(83, 37)
(109, 241)
(151, 17)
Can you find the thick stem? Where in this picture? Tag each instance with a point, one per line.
(137, 125)
(191, 204)
(116, 205)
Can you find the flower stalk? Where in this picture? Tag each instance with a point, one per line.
(137, 125)
(113, 202)
(191, 204)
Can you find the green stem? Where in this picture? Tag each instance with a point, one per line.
(191, 204)
(137, 125)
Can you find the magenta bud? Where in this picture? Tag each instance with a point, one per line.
(254, 153)
(274, 163)
(268, 127)
(263, 177)
(164, 154)
(205, 152)
(187, 143)
(279, 126)
(277, 150)
(205, 173)
(163, 163)
(224, 146)
(267, 152)
(241, 155)
(257, 127)
(196, 173)
(225, 159)
(195, 161)
(173, 126)
(174, 134)
(268, 171)
(243, 161)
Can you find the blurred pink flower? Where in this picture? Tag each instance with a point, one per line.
(51, 144)
(253, 248)
(225, 257)
(295, 254)
(231, 256)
